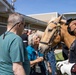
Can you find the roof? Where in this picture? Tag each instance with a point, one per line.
(8, 4)
(68, 13)
(46, 17)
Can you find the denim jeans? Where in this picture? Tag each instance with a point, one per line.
(52, 60)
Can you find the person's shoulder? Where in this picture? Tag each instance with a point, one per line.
(15, 36)
(11, 36)
(30, 49)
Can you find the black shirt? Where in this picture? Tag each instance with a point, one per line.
(72, 56)
(25, 39)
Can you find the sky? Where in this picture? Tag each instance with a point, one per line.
(28, 7)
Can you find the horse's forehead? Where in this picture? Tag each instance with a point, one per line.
(51, 25)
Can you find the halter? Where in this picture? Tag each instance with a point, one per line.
(57, 32)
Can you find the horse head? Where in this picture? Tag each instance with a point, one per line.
(53, 34)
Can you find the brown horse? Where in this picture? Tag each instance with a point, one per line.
(55, 32)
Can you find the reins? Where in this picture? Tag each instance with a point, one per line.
(57, 32)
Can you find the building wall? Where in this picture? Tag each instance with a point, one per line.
(3, 23)
(3, 19)
(69, 15)
(2, 8)
(46, 17)
(2, 28)
(35, 21)
(36, 27)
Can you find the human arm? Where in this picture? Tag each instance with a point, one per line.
(31, 56)
(49, 67)
(17, 56)
(39, 59)
(18, 69)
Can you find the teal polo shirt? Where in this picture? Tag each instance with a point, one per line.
(12, 50)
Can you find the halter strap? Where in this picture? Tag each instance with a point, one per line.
(57, 31)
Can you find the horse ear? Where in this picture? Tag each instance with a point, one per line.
(63, 21)
(60, 17)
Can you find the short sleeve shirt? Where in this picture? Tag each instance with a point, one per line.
(11, 50)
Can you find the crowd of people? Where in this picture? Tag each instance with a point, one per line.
(19, 54)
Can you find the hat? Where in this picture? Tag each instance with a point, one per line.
(69, 20)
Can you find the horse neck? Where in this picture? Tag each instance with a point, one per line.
(67, 38)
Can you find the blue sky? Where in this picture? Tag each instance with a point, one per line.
(29, 7)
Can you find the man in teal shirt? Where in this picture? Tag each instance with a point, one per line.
(13, 56)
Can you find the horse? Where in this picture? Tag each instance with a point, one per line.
(55, 32)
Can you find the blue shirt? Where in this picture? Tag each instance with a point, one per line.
(32, 56)
(32, 53)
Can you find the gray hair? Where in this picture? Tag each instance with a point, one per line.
(15, 18)
(30, 37)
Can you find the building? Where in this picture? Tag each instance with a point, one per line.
(47, 17)
(34, 21)
(6, 8)
(44, 17)
(70, 15)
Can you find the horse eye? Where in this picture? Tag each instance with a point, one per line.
(49, 30)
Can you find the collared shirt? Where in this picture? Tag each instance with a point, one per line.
(32, 55)
(11, 51)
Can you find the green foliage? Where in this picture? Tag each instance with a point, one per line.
(59, 56)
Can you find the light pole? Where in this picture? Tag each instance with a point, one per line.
(12, 2)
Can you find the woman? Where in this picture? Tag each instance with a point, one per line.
(35, 57)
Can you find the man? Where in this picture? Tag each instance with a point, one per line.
(13, 57)
(72, 26)
(24, 37)
(72, 31)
